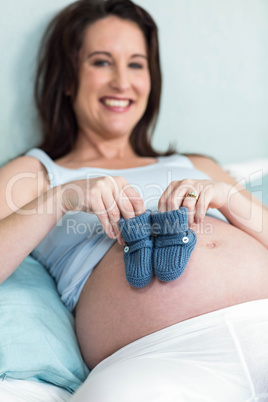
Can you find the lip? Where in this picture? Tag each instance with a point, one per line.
(115, 98)
(116, 108)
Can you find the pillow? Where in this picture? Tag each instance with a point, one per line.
(37, 337)
(259, 188)
(253, 175)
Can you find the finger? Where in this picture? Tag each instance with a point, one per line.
(130, 202)
(98, 208)
(175, 199)
(191, 203)
(164, 201)
(131, 205)
(113, 214)
(125, 206)
(113, 211)
(116, 202)
(202, 205)
(135, 199)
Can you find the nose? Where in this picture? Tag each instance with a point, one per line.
(120, 80)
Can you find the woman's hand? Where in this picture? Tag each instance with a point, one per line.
(210, 194)
(108, 197)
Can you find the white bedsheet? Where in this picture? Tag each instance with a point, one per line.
(30, 391)
(250, 170)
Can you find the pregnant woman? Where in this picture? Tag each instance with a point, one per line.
(202, 336)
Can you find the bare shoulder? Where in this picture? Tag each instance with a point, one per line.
(21, 180)
(210, 167)
(23, 168)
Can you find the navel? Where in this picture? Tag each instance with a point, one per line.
(211, 244)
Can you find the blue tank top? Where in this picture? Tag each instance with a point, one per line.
(72, 249)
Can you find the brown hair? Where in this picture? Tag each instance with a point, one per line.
(58, 66)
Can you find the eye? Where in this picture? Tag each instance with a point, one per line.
(136, 65)
(101, 63)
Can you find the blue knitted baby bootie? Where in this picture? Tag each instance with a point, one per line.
(137, 234)
(173, 245)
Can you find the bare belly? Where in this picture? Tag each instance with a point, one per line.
(227, 267)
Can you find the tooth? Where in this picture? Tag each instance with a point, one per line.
(116, 103)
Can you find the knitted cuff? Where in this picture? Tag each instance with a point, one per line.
(136, 228)
(170, 222)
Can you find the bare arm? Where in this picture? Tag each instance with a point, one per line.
(30, 209)
(240, 207)
(25, 219)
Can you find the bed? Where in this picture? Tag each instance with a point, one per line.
(39, 356)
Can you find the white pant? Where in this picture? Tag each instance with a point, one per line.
(219, 357)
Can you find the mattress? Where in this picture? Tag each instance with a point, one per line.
(29, 391)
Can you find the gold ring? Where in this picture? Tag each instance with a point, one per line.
(192, 194)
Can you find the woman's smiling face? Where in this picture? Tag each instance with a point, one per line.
(114, 78)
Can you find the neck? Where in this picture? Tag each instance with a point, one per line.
(98, 148)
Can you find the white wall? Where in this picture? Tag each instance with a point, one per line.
(214, 62)
(215, 67)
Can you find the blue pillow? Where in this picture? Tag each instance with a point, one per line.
(37, 337)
